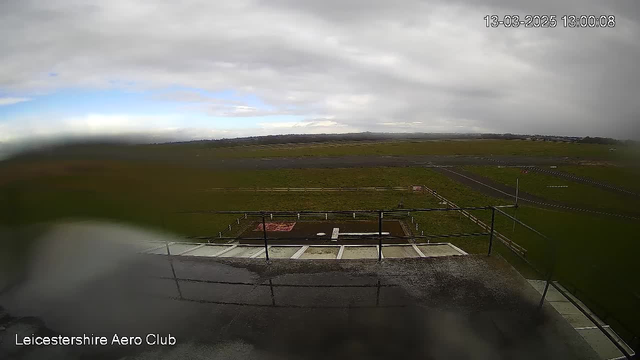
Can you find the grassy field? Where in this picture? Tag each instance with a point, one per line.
(440, 147)
(624, 177)
(576, 194)
(596, 254)
(152, 195)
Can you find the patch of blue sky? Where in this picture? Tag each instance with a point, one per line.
(79, 101)
(75, 102)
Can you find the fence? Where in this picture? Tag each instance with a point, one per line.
(490, 231)
(371, 214)
(548, 275)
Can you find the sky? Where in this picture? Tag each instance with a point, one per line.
(191, 69)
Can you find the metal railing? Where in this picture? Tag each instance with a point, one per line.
(553, 246)
(379, 214)
(263, 214)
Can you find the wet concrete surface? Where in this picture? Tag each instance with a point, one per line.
(207, 250)
(466, 307)
(321, 252)
(399, 252)
(438, 250)
(360, 252)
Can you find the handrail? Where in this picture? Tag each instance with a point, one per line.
(288, 212)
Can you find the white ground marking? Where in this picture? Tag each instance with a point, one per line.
(300, 252)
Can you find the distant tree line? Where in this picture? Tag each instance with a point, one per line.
(606, 141)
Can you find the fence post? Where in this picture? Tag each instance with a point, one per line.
(493, 218)
(264, 233)
(379, 235)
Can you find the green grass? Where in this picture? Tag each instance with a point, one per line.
(152, 195)
(576, 194)
(595, 254)
(624, 177)
(440, 147)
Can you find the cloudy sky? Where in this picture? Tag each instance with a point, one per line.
(194, 69)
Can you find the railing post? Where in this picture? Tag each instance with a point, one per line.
(264, 233)
(544, 293)
(493, 219)
(173, 270)
(379, 235)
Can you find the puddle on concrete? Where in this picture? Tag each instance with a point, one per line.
(207, 250)
(282, 252)
(360, 252)
(399, 252)
(321, 252)
(243, 251)
(438, 250)
(174, 249)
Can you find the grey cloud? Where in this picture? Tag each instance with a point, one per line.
(433, 64)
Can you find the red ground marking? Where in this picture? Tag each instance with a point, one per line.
(276, 226)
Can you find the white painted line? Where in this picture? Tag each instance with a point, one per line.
(186, 251)
(300, 252)
(258, 253)
(340, 252)
(458, 249)
(418, 250)
(334, 234)
(226, 250)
